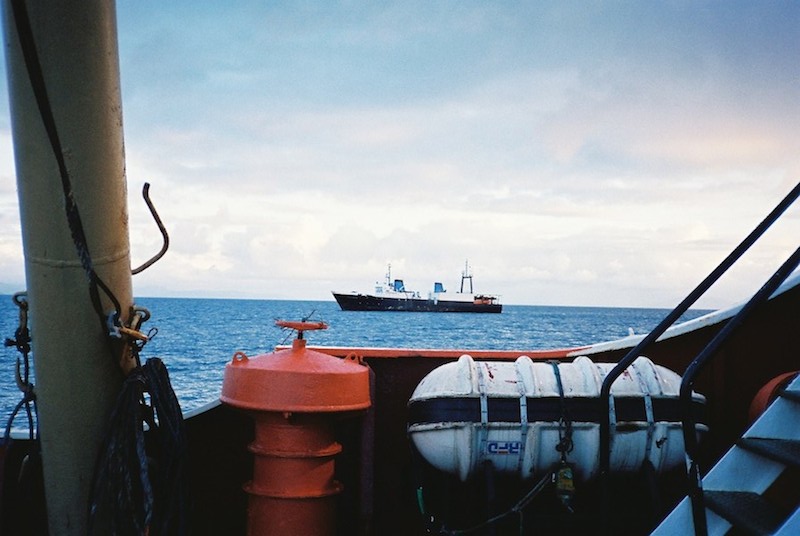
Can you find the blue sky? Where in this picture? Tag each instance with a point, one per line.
(577, 153)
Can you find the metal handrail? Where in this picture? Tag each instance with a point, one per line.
(697, 365)
(675, 314)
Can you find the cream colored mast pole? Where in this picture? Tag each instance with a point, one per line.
(77, 379)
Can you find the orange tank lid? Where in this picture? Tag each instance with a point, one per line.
(296, 379)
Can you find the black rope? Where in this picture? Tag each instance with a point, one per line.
(563, 476)
(565, 444)
(39, 88)
(125, 479)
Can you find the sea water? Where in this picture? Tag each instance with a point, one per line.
(196, 337)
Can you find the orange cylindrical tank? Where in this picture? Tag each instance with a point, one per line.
(294, 396)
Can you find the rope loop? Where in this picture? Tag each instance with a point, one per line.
(125, 485)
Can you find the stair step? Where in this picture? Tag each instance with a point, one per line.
(786, 451)
(794, 396)
(745, 510)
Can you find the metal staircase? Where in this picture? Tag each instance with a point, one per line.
(755, 487)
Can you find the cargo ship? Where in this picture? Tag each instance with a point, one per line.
(392, 295)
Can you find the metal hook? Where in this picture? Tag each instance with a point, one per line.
(20, 299)
(143, 312)
(157, 256)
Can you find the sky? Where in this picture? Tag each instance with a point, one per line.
(575, 153)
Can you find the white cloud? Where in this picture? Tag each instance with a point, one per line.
(586, 155)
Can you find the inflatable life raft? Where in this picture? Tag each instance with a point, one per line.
(514, 416)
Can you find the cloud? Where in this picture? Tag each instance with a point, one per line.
(585, 154)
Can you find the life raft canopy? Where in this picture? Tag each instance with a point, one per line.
(525, 417)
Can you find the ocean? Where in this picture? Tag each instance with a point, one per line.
(197, 337)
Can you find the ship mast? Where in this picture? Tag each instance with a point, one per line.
(466, 275)
(77, 381)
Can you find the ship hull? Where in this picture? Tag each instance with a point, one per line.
(366, 302)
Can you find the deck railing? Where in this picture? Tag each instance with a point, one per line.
(700, 360)
(697, 365)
